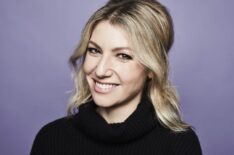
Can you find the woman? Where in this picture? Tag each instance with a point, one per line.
(123, 101)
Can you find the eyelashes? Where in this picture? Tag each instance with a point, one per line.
(96, 52)
(124, 56)
(92, 50)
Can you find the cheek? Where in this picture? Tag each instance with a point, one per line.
(132, 74)
(89, 65)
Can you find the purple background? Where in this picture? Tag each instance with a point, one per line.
(37, 38)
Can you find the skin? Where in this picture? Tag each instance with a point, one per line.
(115, 77)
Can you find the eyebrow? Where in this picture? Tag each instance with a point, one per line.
(116, 49)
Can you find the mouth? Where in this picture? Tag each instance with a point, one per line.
(101, 87)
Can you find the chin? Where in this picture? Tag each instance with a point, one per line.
(104, 100)
(104, 103)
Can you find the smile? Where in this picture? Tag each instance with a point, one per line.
(104, 87)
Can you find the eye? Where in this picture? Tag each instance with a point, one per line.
(124, 56)
(92, 51)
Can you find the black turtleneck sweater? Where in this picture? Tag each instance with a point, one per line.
(87, 133)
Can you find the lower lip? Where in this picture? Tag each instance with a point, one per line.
(103, 91)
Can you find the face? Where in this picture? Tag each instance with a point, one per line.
(114, 75)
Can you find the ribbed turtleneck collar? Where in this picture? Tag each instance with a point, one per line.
(139, 123)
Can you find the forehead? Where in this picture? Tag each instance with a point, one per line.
(106, 34)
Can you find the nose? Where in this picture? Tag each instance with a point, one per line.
(103, 68)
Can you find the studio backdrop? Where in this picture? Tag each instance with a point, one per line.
(37, 38)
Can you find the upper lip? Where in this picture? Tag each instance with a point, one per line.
(110, 83)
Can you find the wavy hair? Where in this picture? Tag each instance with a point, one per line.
(150, 29)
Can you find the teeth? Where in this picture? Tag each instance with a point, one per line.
(104, 86)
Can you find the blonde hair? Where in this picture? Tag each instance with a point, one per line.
(150, 29)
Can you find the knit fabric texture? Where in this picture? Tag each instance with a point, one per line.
(87, 133)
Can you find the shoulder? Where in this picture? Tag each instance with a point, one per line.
(51, 134)
(187, 135)
(58, 125)
(53, 125)
(184, 143)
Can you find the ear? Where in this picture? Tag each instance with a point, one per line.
(150, 75)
